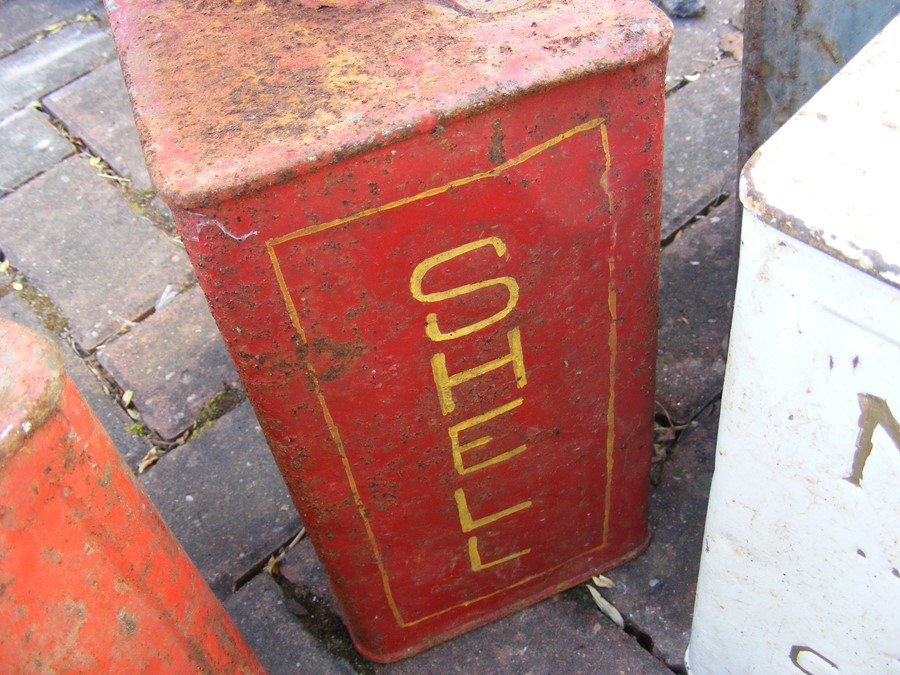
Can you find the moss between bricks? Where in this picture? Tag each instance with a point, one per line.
(51, 317)
(138, 429)
(221, 404)
(39, 303)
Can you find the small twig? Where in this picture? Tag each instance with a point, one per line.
(272, 565)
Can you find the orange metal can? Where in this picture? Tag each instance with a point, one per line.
(91, 580)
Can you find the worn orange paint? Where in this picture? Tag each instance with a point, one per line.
(91, 580)
(428, 232)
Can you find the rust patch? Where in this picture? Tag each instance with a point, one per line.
(496, 151)
(127, 623)
(232, 97)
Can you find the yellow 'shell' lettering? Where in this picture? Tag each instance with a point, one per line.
(458, 448)
(465, 516)
(415, 287)
(478, 564)
(445, 382)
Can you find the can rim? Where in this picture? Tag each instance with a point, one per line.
(30, 388)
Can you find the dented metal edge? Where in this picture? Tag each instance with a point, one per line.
(757, 204)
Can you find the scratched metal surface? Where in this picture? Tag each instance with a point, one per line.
(231, 96)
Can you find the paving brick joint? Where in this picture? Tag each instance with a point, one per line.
(89, 259)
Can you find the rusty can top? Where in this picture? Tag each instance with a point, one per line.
(31, 382)
(231, 97)
(828, 177)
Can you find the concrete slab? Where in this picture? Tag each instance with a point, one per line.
(29, 144)
(224, 499)
(39, 68)
(655, 592)
(22, 20)
(95, 108)
(278, 637)
(174, 361)
(697, 275)
(695, 43)
(701, 140)
(74, 236)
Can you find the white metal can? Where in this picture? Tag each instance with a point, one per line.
(800, 571)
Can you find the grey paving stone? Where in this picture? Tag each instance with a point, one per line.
(655, 592)
(116, 422)
(75, 237)
(22, 20)
(224, 499)
(38, 69)
(29, 144)
(278, 638)
(697, 275)
(558, 635)
(174, 361)
(302, 568)
(701, 140)
(695, 43)
(95, 108)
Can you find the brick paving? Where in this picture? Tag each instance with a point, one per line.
(72, 233)
(95, 109)
(93, 266)
(169, 389)
(31, 146)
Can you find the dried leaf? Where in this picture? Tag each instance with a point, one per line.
(664, 434)
(603, 582)
(606, 607)
(127, 397)
(731, 43)
(272, 566)
(692, 78)
(169, 293)
(95, 162)
(133, 414)
(150, 459)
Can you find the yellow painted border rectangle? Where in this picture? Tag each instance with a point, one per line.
(271, 245)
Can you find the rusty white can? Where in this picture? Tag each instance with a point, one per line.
(801, 561)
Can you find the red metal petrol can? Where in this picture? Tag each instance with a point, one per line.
(91, 579)
(428, 232)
